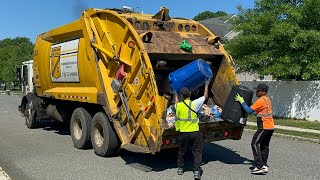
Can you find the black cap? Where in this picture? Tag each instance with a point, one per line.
(262, 87)
(185, 92)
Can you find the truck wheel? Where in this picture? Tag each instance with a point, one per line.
(23, 106)
(30, 117)
(104, 140)
(80, 128)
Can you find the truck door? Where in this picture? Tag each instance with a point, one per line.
(26, 79)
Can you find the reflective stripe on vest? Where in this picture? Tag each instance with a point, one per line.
(267, 109)
(189, 115)
(189, 118)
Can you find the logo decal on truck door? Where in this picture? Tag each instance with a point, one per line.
(64, 62)
(55, 62)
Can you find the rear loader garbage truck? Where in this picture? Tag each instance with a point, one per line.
(107, 75)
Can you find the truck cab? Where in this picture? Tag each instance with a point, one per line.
(25, 75)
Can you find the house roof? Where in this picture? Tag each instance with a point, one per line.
(220, 26)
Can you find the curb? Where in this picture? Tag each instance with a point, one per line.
(4, 175)
(297, 129)
(317, 141)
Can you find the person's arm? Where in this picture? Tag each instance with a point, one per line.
(244, 104)
(205, 94)
(176, 98)
(198, 103)
(248, 109)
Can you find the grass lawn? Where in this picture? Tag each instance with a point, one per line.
(292, 122)
(15, 92)
(292, 133)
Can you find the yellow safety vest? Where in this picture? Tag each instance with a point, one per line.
(186, 120)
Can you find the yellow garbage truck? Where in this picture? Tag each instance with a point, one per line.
(106, 75)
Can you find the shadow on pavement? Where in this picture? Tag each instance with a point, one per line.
(167, 159)
(214, 152)
(57, 127)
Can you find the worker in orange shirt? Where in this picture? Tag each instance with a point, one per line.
(262, 108)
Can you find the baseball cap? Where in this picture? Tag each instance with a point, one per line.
(262, 87)
(185, 92)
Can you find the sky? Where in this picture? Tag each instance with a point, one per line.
(28, 18)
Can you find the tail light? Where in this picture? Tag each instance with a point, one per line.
(187, 27)
(168, 141)
(145, 25)
(194, 28)
(137, 24)
(131, 44)
(174, 141)
(226, 134)
(161, 142)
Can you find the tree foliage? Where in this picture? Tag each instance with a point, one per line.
(279, 37)
(209, 14)
(12, 53)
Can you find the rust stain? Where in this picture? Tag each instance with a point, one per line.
(168, 42)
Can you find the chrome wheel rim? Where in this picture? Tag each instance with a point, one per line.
(98, 135)
(28, 116)
(77, 129)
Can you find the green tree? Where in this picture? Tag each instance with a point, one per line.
(279, 37)
(12, 53)
(209, 14)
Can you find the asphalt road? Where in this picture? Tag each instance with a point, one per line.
(48, 153)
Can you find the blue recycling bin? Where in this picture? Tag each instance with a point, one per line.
(192, 75)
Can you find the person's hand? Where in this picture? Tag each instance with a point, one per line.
(238, 98)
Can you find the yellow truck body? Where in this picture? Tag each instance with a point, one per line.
(75, 67)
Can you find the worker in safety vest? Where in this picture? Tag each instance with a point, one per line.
(187, 124)
(260, 142)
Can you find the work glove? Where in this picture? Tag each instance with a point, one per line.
(238, 98)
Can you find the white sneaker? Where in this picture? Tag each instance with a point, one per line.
(256, 171)
(265, 168)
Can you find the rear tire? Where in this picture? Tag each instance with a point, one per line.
(104, 140)
(80, 128)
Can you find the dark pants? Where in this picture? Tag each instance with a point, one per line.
(193, 140)
(260, 146)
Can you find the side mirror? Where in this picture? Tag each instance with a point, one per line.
(18, 73)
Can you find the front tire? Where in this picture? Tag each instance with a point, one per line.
(104, 140)
(80, 128)
(30, 116)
